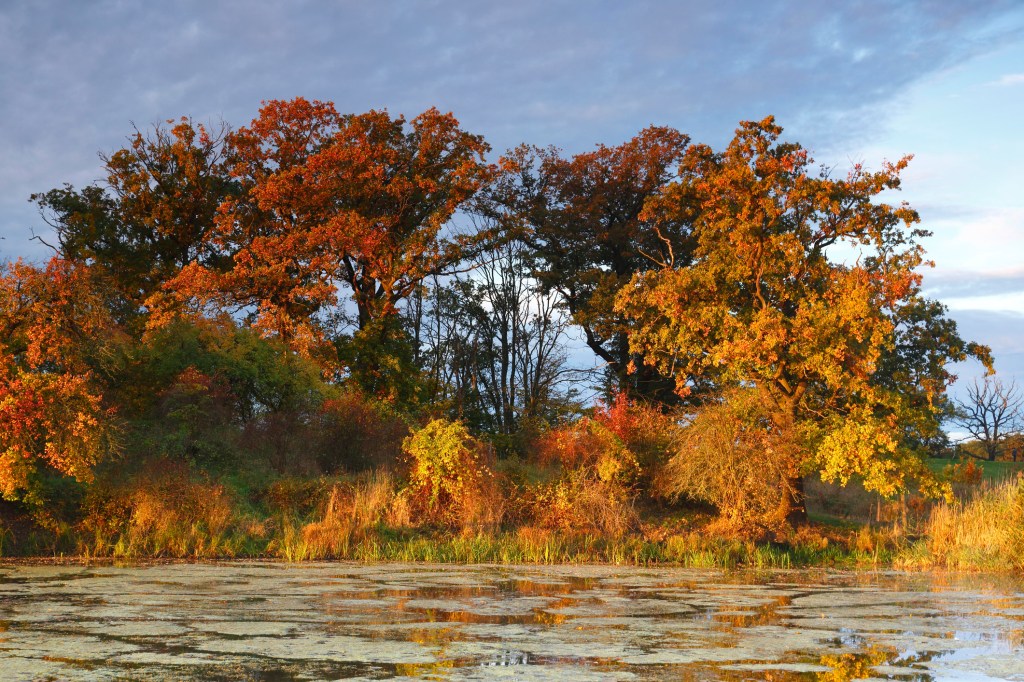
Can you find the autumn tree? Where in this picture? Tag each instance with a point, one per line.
(328, 199)
(991, 412)
(150, 217)
(803, 287)
(583, 218)
(53, 329)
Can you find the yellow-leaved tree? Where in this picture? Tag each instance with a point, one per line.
(803, 288)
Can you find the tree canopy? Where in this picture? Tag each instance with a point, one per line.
(583, 219)
(806, 288)
(242, 278)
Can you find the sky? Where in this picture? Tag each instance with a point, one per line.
(853, 82)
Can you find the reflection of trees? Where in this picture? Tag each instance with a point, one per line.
(861, 665)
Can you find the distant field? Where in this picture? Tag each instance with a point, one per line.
(993, 471)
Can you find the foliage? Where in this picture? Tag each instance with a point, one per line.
(380, 361)
(583, 222)
(733, 455)
(357, 433)
(649, 433)
(325, 198)
(985, 532)
(447, 477)
(52, 411)
(591, 448)
(163, 510)
(151, 217)
(765, 302)
(240, 314)
(577, 502)
(208, 392)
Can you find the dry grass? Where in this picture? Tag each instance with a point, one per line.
(984, 532)
(165, 511)
(350, 515)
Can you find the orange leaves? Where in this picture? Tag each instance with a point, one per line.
(326, 200)
(768, 302)
(51, 411)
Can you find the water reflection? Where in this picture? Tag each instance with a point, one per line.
(344, 621)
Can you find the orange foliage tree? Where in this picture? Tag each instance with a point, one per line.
(151, 216)
(797, 286)
(327, 199)
(52, 325)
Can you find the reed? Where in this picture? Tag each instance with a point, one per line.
(982, 532)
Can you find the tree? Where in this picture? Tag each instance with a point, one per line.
(582, 218)
(53, 329)
(150, 218)
(766, 303)
(992, 412)
(494, 345)
(363, 200)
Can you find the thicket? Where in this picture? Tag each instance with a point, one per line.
(327, 335)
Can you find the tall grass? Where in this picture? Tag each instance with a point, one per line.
(168, 510)
(982, 532)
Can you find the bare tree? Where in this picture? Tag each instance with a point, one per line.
(494, 345)
(992, 412)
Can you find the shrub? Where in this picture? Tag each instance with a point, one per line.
(448, 481)
(581, 504)
(644, 430)
(357, 433)
(734, 456)
(590, 447)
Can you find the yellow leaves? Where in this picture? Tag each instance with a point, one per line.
(764, 302)
(446, 472)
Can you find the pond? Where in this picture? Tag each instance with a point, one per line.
(271, 621)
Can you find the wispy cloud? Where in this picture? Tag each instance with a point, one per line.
(952, 283)
(1010, 79)
(73, 75)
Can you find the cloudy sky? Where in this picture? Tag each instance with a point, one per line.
(853, 82)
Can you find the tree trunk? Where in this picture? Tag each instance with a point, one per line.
(795, 501)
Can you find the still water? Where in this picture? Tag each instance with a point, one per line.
(268, 621)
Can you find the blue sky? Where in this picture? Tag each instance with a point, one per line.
(853, 82)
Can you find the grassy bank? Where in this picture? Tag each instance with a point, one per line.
(170, 510)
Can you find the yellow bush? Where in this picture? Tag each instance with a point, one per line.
(448, 481)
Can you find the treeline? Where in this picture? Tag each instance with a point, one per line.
(299, 295)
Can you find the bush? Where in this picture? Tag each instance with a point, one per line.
(598, 474)
(357, 433)
(578, 503)
(644, 430)
(591, 448)
(351, 514)
(734, 456)
(449, 483)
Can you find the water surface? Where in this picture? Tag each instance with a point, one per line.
(268, 621)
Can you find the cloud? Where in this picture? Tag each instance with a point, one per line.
(952, 283)
(1010, 79)
(543, 71)
(1003, 332)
